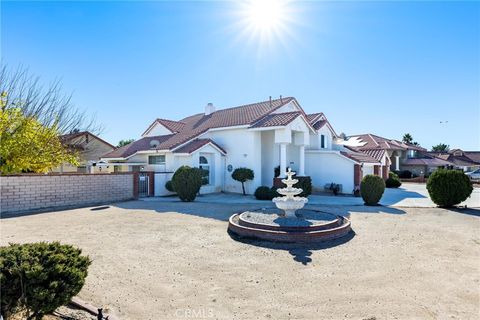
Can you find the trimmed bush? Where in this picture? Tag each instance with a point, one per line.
(404, 174)
(186, 182)
(264, 193)
(169, 186)
(371, 189)
(243, 175)
(393, 181)
(304, 183)
(449, 187)
(40, 277)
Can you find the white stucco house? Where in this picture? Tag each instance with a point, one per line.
(259, 136)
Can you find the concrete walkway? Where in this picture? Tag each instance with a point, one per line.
(408, 195)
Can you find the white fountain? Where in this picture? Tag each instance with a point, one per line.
(289, 203)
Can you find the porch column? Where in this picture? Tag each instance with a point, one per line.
(301, 167)
(283, 159)
(397, 163)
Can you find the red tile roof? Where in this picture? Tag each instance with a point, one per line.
(276, 119)
(432, 162)
(377, 154)
(139, 145)
(197, 144)
(198, 124)
(372, 141)
(66, 138)
(466, 158)
(358, 156)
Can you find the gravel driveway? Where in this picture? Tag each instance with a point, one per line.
(154, 260)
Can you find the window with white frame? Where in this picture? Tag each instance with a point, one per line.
(156, 159)
(322, 141)
(204, 165)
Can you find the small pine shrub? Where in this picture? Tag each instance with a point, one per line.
(186, 182)
(449, 187)
(243, 175)
(169, 186)
(263, 193)
(304, 183)
(371, 189)
(40, 277)
(393, 181)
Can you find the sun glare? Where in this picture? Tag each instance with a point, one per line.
(265, 15)
(266, 25)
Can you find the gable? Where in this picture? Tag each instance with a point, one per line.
(157, 129)
(289, 107)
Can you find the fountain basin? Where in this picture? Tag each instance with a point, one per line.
(313, 226)
(289, 191)
(290, 205)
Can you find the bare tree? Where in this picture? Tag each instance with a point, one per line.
(48, 104)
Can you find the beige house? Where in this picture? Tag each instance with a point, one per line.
(90, 148)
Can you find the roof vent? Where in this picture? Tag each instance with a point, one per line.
(209, 109)
(154, 143)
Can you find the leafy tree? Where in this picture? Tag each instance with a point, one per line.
(343, 136)
(449, 187)
(243, 175)
(407, 138)
(32, 119)
(28, 146)
(441, 147)
(122, 143)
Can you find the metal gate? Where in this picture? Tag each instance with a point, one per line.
(143, 184)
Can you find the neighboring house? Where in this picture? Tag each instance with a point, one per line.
(465, 160)
(90, 148)
(259, 136)
(397, 154)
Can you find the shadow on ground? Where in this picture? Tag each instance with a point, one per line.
(300, 252)
(223, 211)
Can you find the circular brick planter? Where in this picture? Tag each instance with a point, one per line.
(310, 229)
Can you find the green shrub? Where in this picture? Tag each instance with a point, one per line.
(264, 193)
(186, 182)
(243, 175)
(304, 183)
(404, 174)
(448, 187)
(169, 186)
(393, 181)
(40, 277)
(274, 193)
(371, 189)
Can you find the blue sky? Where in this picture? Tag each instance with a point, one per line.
(372, 67)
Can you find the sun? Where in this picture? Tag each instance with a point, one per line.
(265, 15)
(264, 25)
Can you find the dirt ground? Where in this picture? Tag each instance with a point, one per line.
(176, 261)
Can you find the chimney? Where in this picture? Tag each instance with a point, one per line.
(209, 108)
(281, 101)
(270, 101)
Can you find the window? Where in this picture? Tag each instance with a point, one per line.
(203, 164)
(322, 141)
(156, 159)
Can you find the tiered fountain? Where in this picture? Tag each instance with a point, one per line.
(289, 222)
(289, 203)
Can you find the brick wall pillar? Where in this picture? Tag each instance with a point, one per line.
(376, 170)
(385, 172)
(135, 185)
(357, 174)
